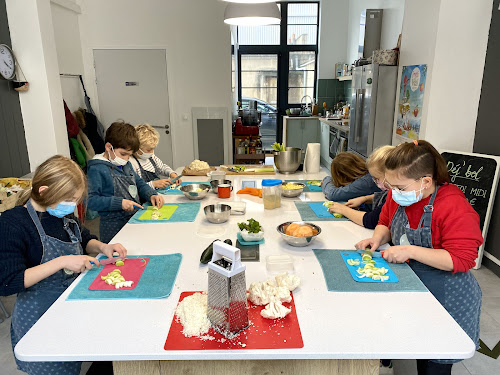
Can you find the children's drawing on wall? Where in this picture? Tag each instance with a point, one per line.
(411, 99)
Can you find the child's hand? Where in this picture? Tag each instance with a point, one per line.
(398, 254)
(355, 202)
(161, 184)
(129, 205)
(369, 242)
(336, 208)
(174, 175)
(77, 263)
(157, 200)
(109, 249)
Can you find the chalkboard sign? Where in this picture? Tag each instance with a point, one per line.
(477, 176)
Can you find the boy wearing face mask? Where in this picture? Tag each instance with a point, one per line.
(434, 227)
(43, 249)
(115, 190)
(146, 164)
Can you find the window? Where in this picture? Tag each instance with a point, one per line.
(277, 65)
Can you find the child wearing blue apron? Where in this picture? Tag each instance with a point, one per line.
(43, 248)
(432, 226)
(115, 190)
(146, 164)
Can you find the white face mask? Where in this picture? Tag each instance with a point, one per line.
(117, 161)
(145, 155)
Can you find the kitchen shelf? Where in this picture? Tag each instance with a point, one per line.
(250, 156)
(345, 78)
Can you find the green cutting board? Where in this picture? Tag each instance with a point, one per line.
(166, 213)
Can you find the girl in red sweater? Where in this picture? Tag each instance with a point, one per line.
(433, 226)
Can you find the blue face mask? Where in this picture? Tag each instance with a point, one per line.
(62, 209)
(407, 198)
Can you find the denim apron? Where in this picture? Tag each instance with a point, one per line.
(32, 303)
(147, 175)
(124, 187)
(459, 293)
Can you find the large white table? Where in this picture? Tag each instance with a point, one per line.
(344, 333)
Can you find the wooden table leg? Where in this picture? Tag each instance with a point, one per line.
(251, 367)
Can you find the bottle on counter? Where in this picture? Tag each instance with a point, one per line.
(251, 147)
(315, 107)
(258, 147)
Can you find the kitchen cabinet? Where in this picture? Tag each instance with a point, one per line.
(300, 132)
(325, 144)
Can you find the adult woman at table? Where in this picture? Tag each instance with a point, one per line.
(43, 248)
(432, 226)
(350, 178)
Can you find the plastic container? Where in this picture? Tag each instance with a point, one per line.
(271, 193)
(279, 263)
(217, 175)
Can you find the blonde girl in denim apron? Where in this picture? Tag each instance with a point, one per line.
(416, 172)
(58, 185)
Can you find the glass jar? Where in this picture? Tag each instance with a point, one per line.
(271, 193)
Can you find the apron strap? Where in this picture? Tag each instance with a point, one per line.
(36, 220)
(426, 219)
(155, 167)
(143, 172)
(76, 235)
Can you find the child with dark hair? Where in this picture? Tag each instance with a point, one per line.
(115, 190)
(433, 227)
(350, 178)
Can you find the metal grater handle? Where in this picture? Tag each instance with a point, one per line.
(232, 253)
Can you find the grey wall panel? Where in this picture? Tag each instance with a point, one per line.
(487, 138)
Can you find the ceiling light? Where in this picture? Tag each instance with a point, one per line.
(252, 14)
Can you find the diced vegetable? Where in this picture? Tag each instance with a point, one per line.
(253, 226)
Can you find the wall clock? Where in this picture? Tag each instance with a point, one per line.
(7, 62)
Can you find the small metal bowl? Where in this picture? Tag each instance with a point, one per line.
(215, 184)
(292, 193)
(217, 213)
(189, 191)
(297, 241)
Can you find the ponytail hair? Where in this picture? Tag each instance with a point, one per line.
(61, 175)
(417, 159)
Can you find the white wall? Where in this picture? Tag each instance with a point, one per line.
(69, 52)
(391, 23)
(198, 54)
(332, 36)
(31, 29)
(453, 45)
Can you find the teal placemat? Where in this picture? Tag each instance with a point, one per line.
(308, 188)
(307, 214)
(186, 212)
(168, 191)
(156, 281)
(338, 278)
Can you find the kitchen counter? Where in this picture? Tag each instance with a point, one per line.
(335, 124)
(349, 330)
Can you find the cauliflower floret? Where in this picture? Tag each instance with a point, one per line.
(258, 295)
(275, 310)
(289, 281)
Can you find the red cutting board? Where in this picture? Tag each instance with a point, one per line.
(262, 334)
(132, 271)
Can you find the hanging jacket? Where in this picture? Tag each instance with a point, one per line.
(79, 152)
(71, 124)
(90, 131)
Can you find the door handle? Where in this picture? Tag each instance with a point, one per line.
(167, 126)
(361, 103)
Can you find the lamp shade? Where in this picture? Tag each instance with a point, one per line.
(252, 14)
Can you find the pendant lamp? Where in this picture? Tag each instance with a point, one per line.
(252, 14)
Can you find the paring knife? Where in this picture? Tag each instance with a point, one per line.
(109, 260)
(370, 252)
(175, 179)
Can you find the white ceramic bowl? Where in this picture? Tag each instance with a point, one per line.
(251, 237)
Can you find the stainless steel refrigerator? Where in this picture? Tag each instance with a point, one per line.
(372, 107)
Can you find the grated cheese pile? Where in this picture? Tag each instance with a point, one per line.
(198, 165)
(192, 312)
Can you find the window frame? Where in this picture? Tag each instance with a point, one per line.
(282, 51)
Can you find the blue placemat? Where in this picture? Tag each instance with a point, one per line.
(379, 262)
(307, 213)
(156, 281)
(308, 188)
(186, 212)
(243, 242)
(168, 191)
(338, 278)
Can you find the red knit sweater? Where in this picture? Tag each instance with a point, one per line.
(454, 227)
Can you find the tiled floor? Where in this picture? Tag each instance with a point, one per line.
(477, 365)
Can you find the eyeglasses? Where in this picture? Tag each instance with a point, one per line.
(376, 181)
(389, 186)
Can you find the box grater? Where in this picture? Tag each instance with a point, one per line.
(227, 294)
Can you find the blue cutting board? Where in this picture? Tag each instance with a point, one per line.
(320, 210)
(379, 262)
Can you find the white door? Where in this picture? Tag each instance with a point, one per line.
(132, 86)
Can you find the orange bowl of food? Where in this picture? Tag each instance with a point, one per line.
(298, 233)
